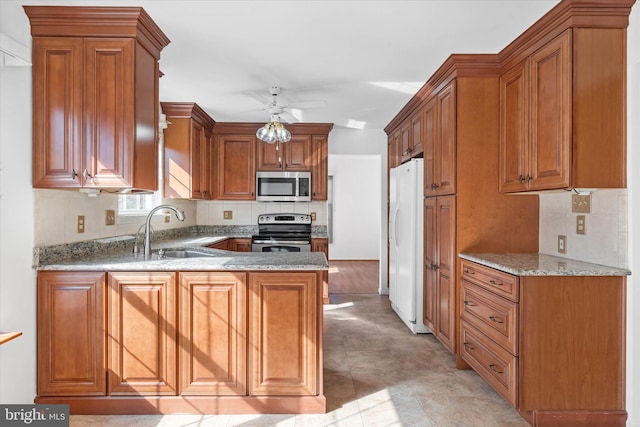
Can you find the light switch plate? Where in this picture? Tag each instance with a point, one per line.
(562, 244)
(80, 224)
(581, 203)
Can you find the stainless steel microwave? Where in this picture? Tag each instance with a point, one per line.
(283, 186)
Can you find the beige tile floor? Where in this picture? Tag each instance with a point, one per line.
(376, 374)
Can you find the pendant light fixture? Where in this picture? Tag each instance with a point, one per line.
(273, 132)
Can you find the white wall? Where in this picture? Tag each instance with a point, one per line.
(17, 279)
(246, 213)
(355, 207)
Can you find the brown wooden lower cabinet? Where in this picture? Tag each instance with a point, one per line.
(552, 346)
(321, 244)
(142, 333)
(284, 348)
(71, 338)
(213, 327)
(190, 342)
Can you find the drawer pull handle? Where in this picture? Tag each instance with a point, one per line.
(467, 271)
(495, 369)
(495, 319)
(470, 304)
(468, 346)
(493, 282)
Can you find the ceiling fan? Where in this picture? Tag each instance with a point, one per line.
(287, 113)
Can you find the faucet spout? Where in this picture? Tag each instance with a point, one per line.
(147, 226)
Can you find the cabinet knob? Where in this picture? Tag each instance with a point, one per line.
(521, 179)
(469, 304)
(468, 346)
(86, 175)
(74, 174)
(529, 178)
(495, 283)
(434, 267)
(434, 186)
(468, 271)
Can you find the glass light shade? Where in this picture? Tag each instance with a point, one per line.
(273, 132)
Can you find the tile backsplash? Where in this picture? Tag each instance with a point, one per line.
(56, 212)
(606, 238)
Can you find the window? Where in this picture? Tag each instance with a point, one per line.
(134, 206)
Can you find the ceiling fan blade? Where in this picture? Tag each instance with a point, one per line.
(308, 104)
(288, 117)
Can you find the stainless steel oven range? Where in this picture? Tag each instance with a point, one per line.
(282, 232)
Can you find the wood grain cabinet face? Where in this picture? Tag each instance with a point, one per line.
(188, 146)
(71, 334)
(213, 328)
(536, 120)
(235, 169)
(284, 347)
(294, 155)
(439, 116)
(557, 106)
(142, 333)
(85, 119)
(319, 167)
(439, 268)
(322, 245)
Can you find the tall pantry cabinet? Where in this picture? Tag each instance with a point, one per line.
(464, 211)
(95, 97)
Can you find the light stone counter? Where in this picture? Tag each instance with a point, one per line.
(115, 254)
(531, 264)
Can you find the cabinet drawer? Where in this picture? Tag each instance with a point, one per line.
(493, 315)
(496, 281)
(497, 366)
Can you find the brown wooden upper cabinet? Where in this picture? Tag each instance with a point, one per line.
(439, 123)
(95, 97)
(562, 110)
(234, 167)
(294, 155)
(188, 148)
(319, 167)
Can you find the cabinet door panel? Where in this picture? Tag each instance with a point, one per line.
(430, 112)
(213, 334)
(298, 153)
(445, 165)
(550, 115)
(514, 134)
(430, 260)
(283, 348)
(319, 170)
(269, 156)
(417, 135)
(235, 170)
(71, 334)
(57, 112)
(446, 227)
(109, 115)
(142, 333)
(405, 141)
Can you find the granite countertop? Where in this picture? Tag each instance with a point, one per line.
(91, 257)
(532, 264)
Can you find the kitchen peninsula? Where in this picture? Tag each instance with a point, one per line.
(191, 330)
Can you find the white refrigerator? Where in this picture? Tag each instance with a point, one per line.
(405, 243)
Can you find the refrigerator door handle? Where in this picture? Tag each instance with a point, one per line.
(395, 228)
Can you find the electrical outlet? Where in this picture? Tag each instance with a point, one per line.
(167, 218)
(80, 224)
(562, 244)
(581, 224)
(313, 216)
(581, 203)
(110, 218)
(228, 215)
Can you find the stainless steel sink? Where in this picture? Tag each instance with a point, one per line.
(184, 253)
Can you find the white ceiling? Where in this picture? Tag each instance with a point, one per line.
(363, 59)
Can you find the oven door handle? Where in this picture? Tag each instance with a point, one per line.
(278, 242)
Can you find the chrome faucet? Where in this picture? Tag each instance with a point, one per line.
(147, 226)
